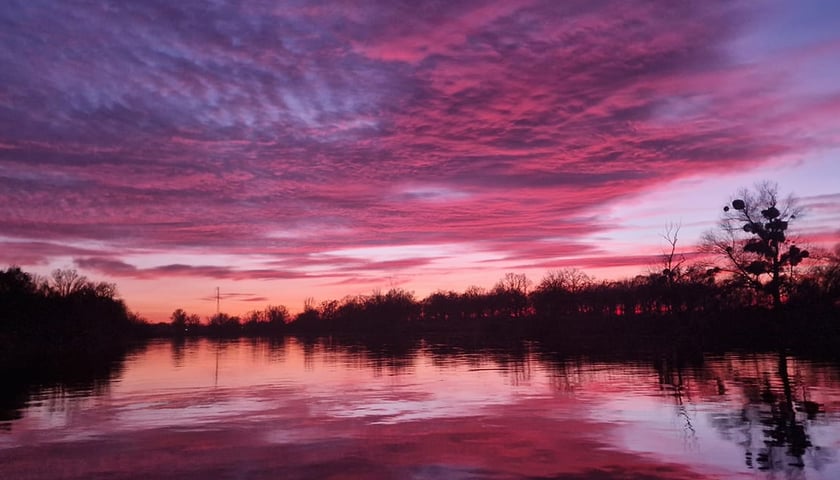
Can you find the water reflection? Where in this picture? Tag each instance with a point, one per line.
(779, 413)
(57, 382)
(321, 408)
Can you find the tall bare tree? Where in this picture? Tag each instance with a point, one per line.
(672, 262)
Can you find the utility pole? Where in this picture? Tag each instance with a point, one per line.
(217, 300)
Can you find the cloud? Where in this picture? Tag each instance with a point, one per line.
(238, 296)
(118, 268)
(335, 267)
(242, 128)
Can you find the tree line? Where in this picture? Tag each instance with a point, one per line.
(560, 299)
(757, 268)
(63, 312)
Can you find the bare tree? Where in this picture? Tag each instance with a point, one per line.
(672, 262)
(511, 294)
(67, 281)
(569, 280)
(560, 292)
(514, 282)
(752, 237)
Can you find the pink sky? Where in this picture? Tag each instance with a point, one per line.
(287, 150)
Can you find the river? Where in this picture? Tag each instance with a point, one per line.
(324, 409)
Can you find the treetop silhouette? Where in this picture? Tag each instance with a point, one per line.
(753, 238)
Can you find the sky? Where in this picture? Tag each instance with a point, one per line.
(290, 150)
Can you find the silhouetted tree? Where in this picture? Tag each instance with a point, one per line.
(16, 282)
(474, 302)
(269, 321)
(672, 262)
(394, 307)
(560, 292)
(675, 285)
(822, 283)
(510, 295)
(277, 316)
(67, 281)
(222, 324)
(65, 313)
(19, 298)
(328, 310)
(179, 321)
(443, 307)
(753, 238)
(184, 323)
(696, 289)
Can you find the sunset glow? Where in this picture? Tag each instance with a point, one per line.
(287, 150)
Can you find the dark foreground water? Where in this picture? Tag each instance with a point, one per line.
(289, 409)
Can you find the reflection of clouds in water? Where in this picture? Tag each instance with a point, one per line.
(653, 425)
(443, 397)
(216, 408)
(182, 412)
(396, 411)
(58, 411)
(456, 416)
(434, 472)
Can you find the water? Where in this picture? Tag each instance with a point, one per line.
(290, 409)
